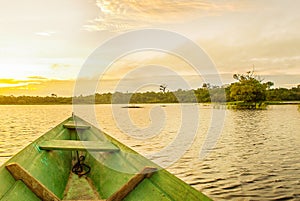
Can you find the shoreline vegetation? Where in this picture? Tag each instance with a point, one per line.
(38, 100)
(278, 96)
(249, 92)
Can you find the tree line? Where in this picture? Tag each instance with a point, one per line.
(248, 91)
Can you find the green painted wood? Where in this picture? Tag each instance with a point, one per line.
(106, 179)
(33, 184)
(147, 191)
(72, 125)
(19, 191)
(52, 169)
(175, 188)
(131, 184)
(74, 145)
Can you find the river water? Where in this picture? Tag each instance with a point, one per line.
(256, 155)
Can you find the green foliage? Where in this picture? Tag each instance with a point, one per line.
(248, 89)
(282, 94)
(202, 95)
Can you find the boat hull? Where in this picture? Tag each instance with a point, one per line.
(115, 170)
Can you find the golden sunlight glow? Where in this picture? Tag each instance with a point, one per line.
(43, 46)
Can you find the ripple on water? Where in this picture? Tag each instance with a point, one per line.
(257, 156)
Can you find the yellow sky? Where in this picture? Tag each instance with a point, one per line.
(43, 44)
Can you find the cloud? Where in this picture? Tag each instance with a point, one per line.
(37, 78)
(121, 15)
(266, 38)
(9, 81)
(4, 82)
(45, 33)
(58, 66)
(36, 87)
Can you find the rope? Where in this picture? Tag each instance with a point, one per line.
(80, 168)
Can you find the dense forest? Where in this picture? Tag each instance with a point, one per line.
(205, 94)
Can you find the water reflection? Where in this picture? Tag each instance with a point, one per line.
(256, 158)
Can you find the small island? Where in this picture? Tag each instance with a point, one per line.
(132, 106)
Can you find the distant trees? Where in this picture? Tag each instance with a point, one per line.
(248, 89)
(34, 100)
(202, 94)
(283, 94)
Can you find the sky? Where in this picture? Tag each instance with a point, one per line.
(45, 44)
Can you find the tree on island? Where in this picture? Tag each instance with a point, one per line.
(249, 88)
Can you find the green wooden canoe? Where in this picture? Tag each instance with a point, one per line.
(77, 161)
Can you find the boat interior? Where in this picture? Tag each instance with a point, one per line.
(77, 161)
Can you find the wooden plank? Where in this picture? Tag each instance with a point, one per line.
(72, 145)
(131, 184)
(34, 185)
(76, 126)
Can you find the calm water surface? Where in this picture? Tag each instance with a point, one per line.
(257, 156)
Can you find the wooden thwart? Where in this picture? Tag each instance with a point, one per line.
(132, 183)
(34, 185)
(76, 126)
(74, 145)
